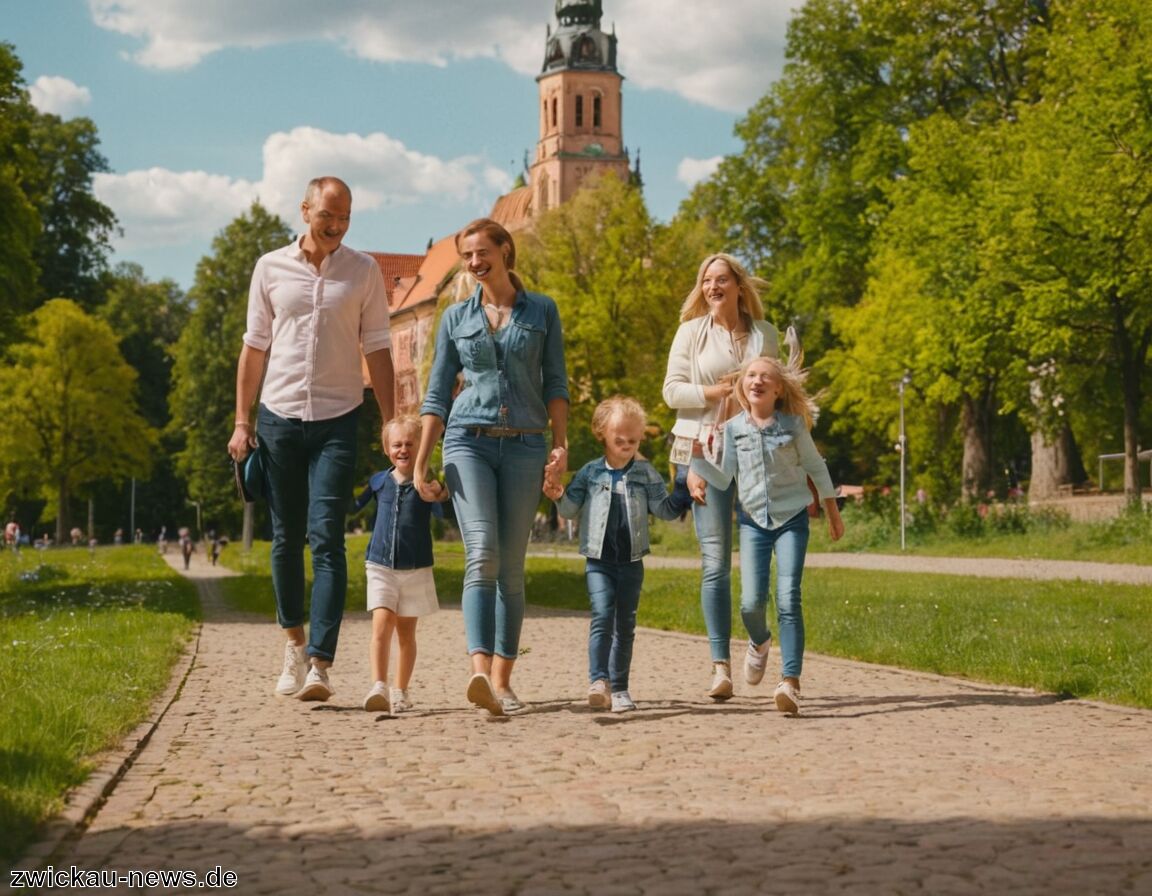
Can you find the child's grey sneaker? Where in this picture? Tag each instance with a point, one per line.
(510, 703)
(756, 661)
(788, 698)
(400, 701)
(295, 668)
(622, 702)
(377, 699)
(598, 695)
(721, 681)
(316, 686)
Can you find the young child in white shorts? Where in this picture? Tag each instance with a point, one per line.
(399, 564)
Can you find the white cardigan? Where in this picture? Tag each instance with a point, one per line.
(684, 385)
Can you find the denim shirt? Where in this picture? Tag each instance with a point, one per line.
(772, 466)
(509, 376)
(401, 534)
(589, 494)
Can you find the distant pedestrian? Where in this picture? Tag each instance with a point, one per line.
(398, 566)
(162, 540)
(186, 545)
(613, 496)
(768, 447)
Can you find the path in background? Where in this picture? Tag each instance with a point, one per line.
(891, 782)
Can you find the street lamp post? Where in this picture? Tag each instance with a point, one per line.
(902, 447)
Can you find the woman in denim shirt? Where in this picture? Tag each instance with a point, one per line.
(508, 344)
(613, 496)
(769, 450)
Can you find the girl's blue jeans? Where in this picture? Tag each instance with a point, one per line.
(311, 469)
(614, 593)
(790, 543)
(714, 533)
(495, 485)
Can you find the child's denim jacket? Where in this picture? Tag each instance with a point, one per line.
(589, 494)
(402, 532)
(772, 466)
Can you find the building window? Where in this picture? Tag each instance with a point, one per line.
(595, 111)
(579, 111)
(553, 112)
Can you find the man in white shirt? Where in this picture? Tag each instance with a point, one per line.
(314, 307)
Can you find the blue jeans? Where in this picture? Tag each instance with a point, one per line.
(614, 593)
(495, 486)
(311, 469)
(714, 533)
(790, 542)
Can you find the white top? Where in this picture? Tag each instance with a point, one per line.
(315, 325)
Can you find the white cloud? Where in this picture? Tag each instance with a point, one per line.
(723, 55)
(691, 171)
(158, 207)
(58, 96)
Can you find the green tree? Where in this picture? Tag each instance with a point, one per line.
(618, 293)
(148, 318)
(1083, 230)
(68, 401)
(203, 395)
(76, 228)
(19, 224)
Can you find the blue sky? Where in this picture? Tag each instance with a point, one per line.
(426, 108)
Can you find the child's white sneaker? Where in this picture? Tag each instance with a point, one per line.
(400, 701)
(788, 698)
(622, 702)
(377, 699)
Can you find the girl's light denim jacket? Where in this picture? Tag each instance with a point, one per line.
(772, 466)
(509, 376)
(589, 494)
(402, 524)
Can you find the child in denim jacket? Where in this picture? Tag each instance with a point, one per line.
(613, 496)
(398, 565)
(769, 450)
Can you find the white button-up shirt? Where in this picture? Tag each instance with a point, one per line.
(314, 325)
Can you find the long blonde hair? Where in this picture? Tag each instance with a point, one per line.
(749, 286)
(794, 398)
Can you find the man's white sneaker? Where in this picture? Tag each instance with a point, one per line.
(788, 698)
(377, 699)
(756, 661)
(622, 702)
(721, 681)
(295, 668)
(400, 701)
(316, 686)
(598, 695)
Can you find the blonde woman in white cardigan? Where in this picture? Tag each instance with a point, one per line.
(722, 326)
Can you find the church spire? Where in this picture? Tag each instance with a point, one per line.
(578, 42)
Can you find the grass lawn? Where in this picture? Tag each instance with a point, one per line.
(89, 642)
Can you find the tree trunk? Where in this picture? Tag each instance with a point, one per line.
(62, 514)
(976, 466)
(1053, 460)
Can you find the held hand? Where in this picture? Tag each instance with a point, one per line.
(835, 522)
(242, 442)
(553, 490)
(557, 464)
(431, 490)
(697, 487)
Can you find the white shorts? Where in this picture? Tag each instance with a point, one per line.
(406, 592)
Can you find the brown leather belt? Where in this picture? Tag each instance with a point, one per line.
(502, 432)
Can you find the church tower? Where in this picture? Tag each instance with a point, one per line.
(580, 106)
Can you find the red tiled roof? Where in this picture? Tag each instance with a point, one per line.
(514, 210)
(395, 267)
(434, 267)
